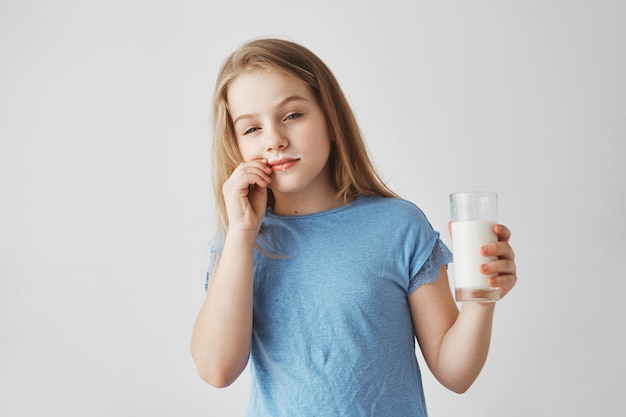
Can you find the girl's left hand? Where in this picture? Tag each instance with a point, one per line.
(504, 266)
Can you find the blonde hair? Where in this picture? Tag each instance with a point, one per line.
(351, 168)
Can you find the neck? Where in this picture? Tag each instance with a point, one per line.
(297, 204)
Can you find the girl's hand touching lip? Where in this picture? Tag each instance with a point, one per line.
(245, 195)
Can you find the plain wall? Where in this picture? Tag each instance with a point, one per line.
(106, 207)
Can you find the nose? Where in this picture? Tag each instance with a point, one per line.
(275, 139)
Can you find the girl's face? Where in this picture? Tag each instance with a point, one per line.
(277, 118)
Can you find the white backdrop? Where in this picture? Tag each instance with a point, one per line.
(106, 208)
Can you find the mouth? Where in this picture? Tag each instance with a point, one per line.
(284, 163)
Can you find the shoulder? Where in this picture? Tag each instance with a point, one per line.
(390, 207)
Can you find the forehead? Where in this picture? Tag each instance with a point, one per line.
(263, 87)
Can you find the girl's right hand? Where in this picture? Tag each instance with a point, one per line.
(245, 195)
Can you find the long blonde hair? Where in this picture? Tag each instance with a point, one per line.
(351, 168)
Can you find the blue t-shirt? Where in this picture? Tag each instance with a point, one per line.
(332, 330)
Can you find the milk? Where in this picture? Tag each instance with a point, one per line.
(467, 239)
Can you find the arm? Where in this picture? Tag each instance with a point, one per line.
(221, 337)
(455, 344)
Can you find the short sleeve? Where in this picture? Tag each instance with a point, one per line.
(439, 256)
(215, 252)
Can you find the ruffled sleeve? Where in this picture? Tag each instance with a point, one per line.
(429, 272)
(215, 252)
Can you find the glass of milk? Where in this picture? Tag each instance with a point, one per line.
(473, 216)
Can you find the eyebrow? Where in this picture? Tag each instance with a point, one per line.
(284, 101)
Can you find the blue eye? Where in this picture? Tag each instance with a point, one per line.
(251, 130)
(293, 116)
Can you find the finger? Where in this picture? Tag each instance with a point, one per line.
(252, 173)
(241, 183)
(254, 166)
(260, 163)
(500, 267)
(503, 232)
(500, 249)
(504, 282)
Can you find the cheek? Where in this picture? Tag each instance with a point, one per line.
(248, 152)
(325, 146)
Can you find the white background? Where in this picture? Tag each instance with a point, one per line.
(106, 211)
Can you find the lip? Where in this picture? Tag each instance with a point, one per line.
(283, 164)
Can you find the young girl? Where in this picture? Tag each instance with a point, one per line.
(322, 276)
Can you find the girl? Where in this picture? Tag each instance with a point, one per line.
(322, 276)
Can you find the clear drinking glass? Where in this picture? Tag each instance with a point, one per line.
(473, 215)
